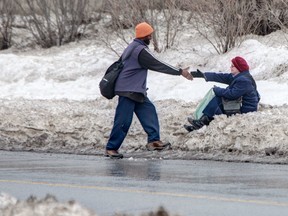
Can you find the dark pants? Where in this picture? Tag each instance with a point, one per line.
(145, 112)
(214, 107)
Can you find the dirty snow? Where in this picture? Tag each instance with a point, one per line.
(48, 206)
(50, 102)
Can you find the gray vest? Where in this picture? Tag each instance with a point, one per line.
(133, 77)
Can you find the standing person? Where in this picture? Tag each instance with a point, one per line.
(241, 84)
(131, 89)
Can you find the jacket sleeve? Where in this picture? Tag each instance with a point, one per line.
(238, 89)
(148, 60)
(219, 77)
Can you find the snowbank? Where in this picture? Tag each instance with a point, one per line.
(50, 206)
(50, 102)
(83, 127)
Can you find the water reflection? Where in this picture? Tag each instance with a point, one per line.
(116, 168)
(142, 170)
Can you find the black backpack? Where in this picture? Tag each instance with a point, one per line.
(107, 83)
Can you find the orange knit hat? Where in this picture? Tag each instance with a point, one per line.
(143, 29)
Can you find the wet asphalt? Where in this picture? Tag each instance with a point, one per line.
(134, 186)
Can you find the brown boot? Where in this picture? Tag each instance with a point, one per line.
(113, 154)
(157, 145)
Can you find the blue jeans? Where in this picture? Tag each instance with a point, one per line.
(214, 107)
(145, 112)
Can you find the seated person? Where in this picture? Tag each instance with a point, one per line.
(241, 84)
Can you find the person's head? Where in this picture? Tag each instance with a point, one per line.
(144, 32)
(239, 65)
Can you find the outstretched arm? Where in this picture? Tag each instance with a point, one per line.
(198, 74)
(149, 61)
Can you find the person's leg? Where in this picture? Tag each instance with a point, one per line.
(122, 121)
(214, 107)
(148, 118)
(147, 115)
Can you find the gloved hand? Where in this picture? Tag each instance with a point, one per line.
(218, 91)
(198, 74)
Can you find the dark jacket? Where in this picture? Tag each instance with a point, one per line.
(242, 84)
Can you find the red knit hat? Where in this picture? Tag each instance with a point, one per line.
(143, 29)
(240, 63)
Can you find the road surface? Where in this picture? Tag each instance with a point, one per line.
(134, 186)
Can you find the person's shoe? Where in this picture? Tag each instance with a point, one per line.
(157, 145)
(190, 119)
(189, 128)
(204, 120)
(197, 124)
(113, 154)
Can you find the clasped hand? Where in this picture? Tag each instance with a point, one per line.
(185, 73)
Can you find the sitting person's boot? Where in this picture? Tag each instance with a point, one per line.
(204, 120)
(189, 128)
(157, 145)
(113, 154)
(197, 124)
(190, 119)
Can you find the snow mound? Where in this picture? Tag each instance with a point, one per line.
(83, 127)
(48, 206)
